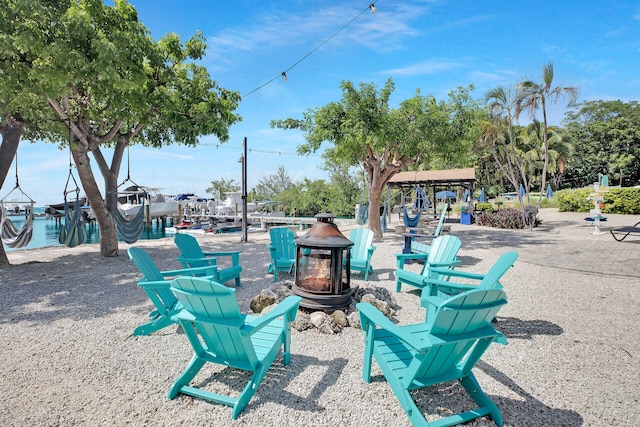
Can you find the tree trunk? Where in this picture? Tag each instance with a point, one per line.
(106, 223)
(11, 131)
(377, 183)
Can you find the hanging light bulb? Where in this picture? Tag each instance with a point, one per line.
(284, 77)
(373, 8)
(218, 114)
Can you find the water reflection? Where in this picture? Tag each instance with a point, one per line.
(46, 232)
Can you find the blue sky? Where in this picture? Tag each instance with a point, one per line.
(431, 45)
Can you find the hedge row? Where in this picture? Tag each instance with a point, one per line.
(615, 200)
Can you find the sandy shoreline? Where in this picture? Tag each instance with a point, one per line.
(69, 358)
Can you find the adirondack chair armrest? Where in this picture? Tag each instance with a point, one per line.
(435, 266)
(186, 260)
(286, 306)
(500, 339)
(401, 258)
(370, 249)
(448, 288)
(207, 270)
(235, 255)
(371, 316)
(185, 316)
(158, 284)
(458, 273)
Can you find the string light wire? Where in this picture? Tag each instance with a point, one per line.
(371, 7)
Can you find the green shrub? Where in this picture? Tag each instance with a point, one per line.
(616, 200)
(622, 201)
(578, 200)
(484, 206)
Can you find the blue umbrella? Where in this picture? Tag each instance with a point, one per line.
(549, 192)
(483, 196)
(445, 195)
(465, 196)
(522, 192)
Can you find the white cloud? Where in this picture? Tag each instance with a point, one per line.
(422, 68)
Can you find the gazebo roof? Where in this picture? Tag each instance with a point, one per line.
(434, 177)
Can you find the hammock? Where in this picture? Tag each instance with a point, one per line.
(73, 232)
(411, 222)
(129, 229)
(10, 235)
(13, 237)
(383, 221)
(363, 214)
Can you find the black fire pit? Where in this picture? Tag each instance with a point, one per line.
(323, 267)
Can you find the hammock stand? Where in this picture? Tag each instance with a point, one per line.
(11, 236)
(73, 232)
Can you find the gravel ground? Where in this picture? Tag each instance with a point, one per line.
(68, 356)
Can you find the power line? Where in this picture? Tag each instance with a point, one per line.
(371, 7)
(258, 150)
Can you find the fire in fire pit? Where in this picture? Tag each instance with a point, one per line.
(322, 267)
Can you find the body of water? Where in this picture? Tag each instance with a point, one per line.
(46, 232)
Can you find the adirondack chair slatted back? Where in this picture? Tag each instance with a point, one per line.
(282, 250)
(362, 239)
(462, 315)
(145, 264)
(504, 263)
(442, 254)
(443, 249)
(161, 296)
(362, 250)
(189, 248)
(443, 215)
(218, 321)
(282, 240)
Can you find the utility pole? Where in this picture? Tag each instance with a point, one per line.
(244, 190)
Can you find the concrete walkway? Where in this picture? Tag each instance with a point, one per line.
(563, 240)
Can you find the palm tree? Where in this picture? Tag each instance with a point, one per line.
(502, 107)
(533, 96)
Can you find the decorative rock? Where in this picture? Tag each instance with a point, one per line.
(340, 318)
(354, 319)
(324, 323)
(281, 290)
(329, 327)
(264, 299)
(317, 318)
(303, 321)
(383, 306)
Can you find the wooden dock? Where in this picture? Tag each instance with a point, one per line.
(302, 222)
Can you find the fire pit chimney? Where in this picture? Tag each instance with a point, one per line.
(323, 266)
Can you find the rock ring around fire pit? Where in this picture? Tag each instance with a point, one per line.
(321, 321)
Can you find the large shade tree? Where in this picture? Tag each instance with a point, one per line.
(607, 139)
(110, 85)
(364, 128)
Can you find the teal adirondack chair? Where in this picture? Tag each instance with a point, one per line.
(443, 254)
(282, 250)
(191, 255)
(444, 348)
(156, 286)
(362, 250)
(445, 285)
(220, 334)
